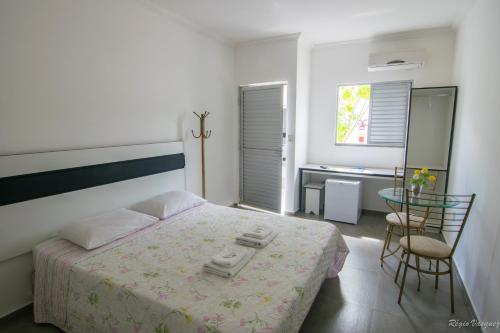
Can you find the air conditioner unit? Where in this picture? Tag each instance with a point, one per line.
(396, 60)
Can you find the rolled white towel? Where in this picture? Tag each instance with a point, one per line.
(230, 256)
(258, 231)
(257, 243)
(228, 272)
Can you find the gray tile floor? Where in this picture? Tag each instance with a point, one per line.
(362, 299)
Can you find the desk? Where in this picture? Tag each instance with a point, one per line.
(344, 171)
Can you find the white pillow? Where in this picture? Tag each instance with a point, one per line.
(168, 204)
(95, 231)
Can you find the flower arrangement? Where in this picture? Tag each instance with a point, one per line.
(420, 178)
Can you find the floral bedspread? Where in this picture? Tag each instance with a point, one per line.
(153, 282)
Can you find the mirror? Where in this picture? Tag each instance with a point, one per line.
(430, 128)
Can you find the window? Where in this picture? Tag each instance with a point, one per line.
(373, 114)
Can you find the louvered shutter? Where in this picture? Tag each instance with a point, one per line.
(261, 146)
(388, 113)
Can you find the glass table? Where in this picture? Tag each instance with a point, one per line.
(395, 198)
(397, 195)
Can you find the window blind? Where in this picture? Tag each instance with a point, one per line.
(388, 113)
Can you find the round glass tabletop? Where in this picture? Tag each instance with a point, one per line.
(397, 195)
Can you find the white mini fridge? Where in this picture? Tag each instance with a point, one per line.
(343, 200)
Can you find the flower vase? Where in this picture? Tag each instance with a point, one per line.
(416, 189)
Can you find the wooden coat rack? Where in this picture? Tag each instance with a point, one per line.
(203, 135)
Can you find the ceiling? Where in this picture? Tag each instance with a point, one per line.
(321, 21)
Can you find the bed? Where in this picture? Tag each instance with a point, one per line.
(152, 280)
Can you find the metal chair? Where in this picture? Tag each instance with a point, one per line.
(452, 220)
(399, 220)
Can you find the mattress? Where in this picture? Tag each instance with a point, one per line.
(152, 280)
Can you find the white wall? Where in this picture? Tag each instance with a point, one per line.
(344, 63)
(475, 157)
(302, 112)
(341, 63)
(273, 60)
(108, 72)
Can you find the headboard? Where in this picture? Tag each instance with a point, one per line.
(42, 192)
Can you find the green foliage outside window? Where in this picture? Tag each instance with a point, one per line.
(353, 108)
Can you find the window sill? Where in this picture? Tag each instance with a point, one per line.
(366, 145)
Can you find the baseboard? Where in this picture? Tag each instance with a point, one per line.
(11, 312)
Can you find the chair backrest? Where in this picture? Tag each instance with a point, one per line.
(449, 211)
(398, 177)
(402, 177)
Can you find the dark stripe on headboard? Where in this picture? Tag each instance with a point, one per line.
(42, 184)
